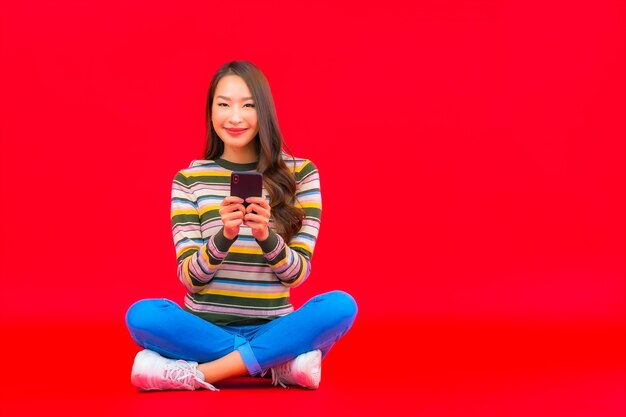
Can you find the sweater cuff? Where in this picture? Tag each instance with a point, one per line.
(222, 243)
(270, 244)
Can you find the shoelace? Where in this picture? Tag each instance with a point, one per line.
(183, 373)
(280, 374)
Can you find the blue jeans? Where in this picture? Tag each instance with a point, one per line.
(162, 326)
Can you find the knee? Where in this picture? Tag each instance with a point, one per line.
(343, 304)
(142, 313)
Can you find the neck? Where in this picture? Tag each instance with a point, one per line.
(240, 155)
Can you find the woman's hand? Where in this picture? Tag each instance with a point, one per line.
(258, 217)
(232, 212)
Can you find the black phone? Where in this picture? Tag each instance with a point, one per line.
(246, 184)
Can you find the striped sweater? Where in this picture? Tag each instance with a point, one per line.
(240, 281)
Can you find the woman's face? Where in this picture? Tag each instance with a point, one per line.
(234, 115)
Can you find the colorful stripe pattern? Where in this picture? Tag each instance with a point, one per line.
(238, 281)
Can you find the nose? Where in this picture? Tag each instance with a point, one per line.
(235, 116)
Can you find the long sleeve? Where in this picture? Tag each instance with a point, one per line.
(292, 262)
(198, 259)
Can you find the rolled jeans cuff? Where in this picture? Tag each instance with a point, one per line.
(243, 346)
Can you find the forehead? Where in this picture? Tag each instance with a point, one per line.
(232, 86)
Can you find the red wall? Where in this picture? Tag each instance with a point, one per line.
(471, 153)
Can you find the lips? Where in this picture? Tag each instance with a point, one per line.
(235, 130)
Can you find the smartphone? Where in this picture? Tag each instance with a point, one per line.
(246, 184)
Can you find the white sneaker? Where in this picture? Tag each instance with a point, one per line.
(305, 370)
(152, 371)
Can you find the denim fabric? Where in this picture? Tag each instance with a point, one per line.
(162, 326)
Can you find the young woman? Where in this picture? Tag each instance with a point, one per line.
(238, 262)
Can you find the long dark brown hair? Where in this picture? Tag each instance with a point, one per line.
(278, 179)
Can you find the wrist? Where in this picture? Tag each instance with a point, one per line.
(222, 240)
(270, 243)
(227, 236)
(263, 236)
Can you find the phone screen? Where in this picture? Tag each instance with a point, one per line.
(246, 184)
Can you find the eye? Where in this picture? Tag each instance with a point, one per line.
(220, 104)
(251, 105)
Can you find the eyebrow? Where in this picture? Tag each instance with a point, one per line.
(228, 98)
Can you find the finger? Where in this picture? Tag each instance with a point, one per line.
(232, 216)
(230, 200)
(240, 207)
(233, 223)
(255, 218)
(258, 200)
(227, 210)
(232, 208)
(258, 210)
